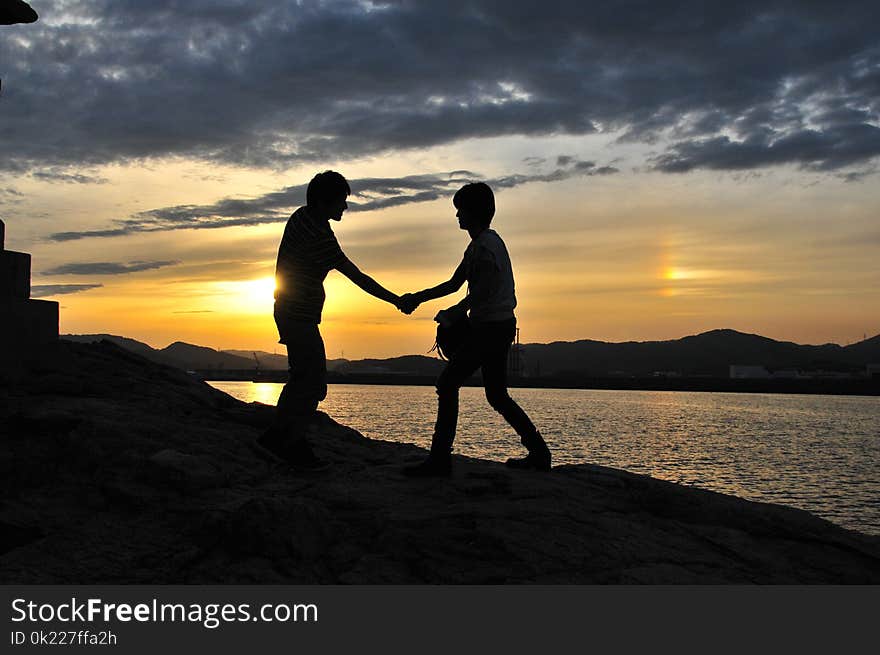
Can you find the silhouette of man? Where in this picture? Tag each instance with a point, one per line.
(308, 252)
(490, 300)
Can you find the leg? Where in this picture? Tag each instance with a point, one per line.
(498, 339)
(307, 382)
(305, 388)
(458, 369)
(439, 463)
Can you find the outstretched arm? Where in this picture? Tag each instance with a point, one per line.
(479, 290)
(365, 282)
(451, 285)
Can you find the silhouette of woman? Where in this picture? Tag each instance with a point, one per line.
(490, 301)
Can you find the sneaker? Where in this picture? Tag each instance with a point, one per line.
(433, 467)
(531, 462)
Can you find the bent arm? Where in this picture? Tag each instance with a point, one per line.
(365, 282)
(480, 288)
(451, 285)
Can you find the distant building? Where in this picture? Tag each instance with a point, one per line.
(667, 374)
(24, 323)
(742, 372)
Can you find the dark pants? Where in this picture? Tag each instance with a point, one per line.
(487, 347)
(307, 383)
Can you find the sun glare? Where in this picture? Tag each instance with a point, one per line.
(249, 296)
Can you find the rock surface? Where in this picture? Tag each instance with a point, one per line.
(118, 470)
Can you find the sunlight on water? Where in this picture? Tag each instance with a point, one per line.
(819, 453)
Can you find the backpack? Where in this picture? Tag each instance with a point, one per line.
(451, 337)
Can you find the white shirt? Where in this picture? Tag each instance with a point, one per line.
(497, 298)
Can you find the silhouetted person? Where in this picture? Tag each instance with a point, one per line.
(490, 301)
(308, 251)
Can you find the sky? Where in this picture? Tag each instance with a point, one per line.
(660, 168)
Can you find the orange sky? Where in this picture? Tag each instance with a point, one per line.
(634, 256)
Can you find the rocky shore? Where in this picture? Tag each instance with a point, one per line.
(115, 469)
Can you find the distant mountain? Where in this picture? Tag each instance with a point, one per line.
(129, 344)
(178, 354)
(710, 353)
(276, 362)
(271, 361)
(406, 365)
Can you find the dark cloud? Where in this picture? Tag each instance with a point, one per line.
(272, 83)
(107, 268)
(68, 178)
(811, 149)
(49, 290)
(368, 194)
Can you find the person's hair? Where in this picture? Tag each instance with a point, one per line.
(478, 199)
(325, 187)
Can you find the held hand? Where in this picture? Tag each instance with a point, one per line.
(407, 303)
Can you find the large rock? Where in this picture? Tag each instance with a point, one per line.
(119, 470)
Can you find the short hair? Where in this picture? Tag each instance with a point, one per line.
(478, 199)
(326, 187)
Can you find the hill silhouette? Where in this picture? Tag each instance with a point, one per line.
(706, 354)
(710, 353)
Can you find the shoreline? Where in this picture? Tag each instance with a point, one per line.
(853, 387)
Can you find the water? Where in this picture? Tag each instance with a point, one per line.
(819, 453)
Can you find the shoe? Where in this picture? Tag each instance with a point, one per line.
(538, 458)
(296, 452)
(433, 467)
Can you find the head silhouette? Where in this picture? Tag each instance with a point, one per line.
(475, 203)
(326, 195)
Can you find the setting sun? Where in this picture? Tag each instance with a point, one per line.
(248, 296)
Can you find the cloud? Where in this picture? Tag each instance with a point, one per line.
(811, 149)
(277, 84)
(49, 290)
(107, 268)
(368, 194)
(10, 196)
(69, 178)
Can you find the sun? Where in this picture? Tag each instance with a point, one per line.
(249, 296)
(261, 289)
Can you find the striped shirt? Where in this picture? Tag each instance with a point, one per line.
(308, 251)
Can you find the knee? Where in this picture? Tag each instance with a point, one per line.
(498, 398)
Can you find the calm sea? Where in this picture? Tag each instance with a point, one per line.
(819, 453)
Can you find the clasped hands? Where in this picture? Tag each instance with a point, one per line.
(407, 303)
